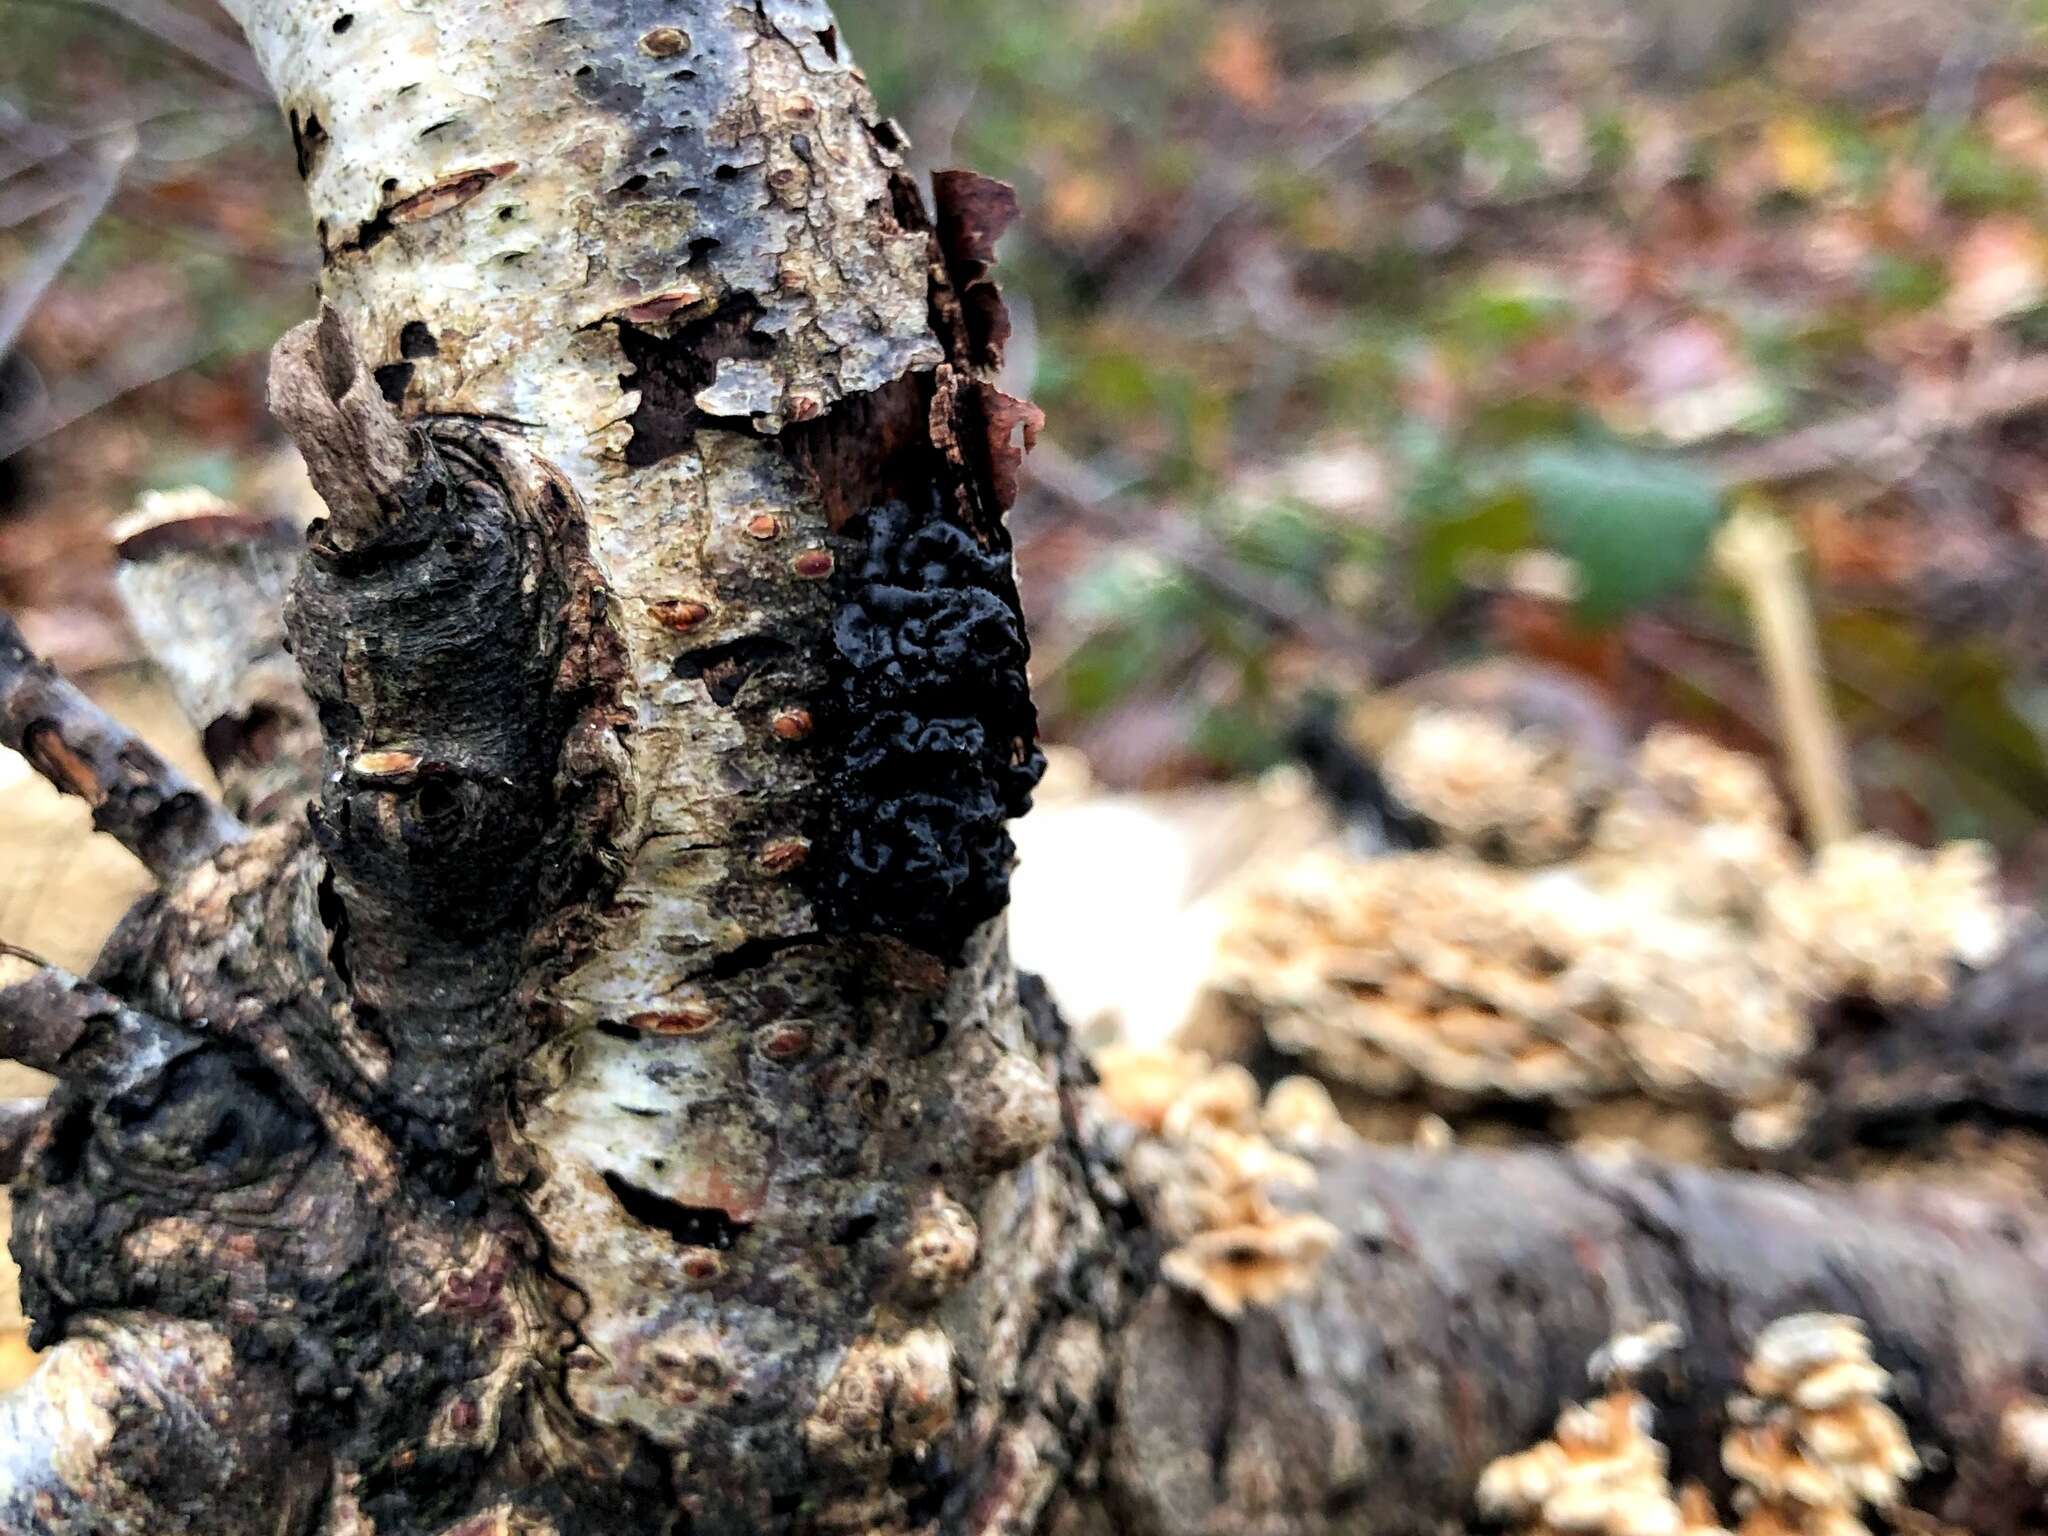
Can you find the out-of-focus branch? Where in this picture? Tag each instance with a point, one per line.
(1760, 554)
(51, 413)
(109, 159)
(154, 811)
(224, 55)
(1231, 187)
(1902, 428)
(204, 585)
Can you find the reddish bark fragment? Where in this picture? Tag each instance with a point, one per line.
(447, 195)
(972, 214)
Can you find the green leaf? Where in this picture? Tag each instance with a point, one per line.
(1448, 544)
(1637, 527)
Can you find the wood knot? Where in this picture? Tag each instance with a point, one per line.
(940, 1254)
(1016, 1114)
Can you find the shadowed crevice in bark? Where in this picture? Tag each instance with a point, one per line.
(670, 371)
(694, 1226)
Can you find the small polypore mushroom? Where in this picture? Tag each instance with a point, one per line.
(1814, 1442)
(1523, 796)
(1209, 1178)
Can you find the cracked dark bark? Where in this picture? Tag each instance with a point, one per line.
(570, 1126)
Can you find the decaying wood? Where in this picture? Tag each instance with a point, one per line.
(1462, 1310)
(613, 1109)
(157, 814)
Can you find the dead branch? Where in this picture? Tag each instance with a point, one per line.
(1085, 495)
(57, 1023)
(357, 451)
(1458, 1316)
(204, 586)
(156, 813)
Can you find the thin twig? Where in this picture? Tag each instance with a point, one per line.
(1920, 416)
(1228, 190)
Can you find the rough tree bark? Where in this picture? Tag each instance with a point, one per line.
(611, 1108)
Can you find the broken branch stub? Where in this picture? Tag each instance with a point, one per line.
(149, 1424)
(357, 451)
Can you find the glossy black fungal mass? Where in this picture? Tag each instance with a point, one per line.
(936, 747)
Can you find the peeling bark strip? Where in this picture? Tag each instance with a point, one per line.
(156, 812)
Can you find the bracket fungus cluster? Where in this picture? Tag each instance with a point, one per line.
(1814, 1442)
(1653, 936)
(1603, 1472)
(1809, 1446)
(1210, 1170)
